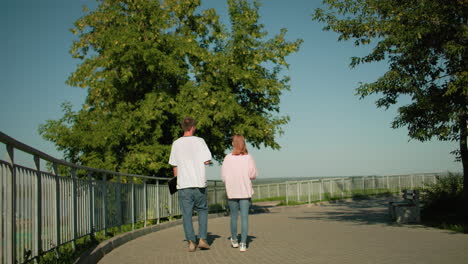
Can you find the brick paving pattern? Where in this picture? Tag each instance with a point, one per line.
(342, 232)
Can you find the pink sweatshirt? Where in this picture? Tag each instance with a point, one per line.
(237, 172)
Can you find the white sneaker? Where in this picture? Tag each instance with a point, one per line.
(243, 247)
(234, 243)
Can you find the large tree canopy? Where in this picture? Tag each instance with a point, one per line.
(425, 44)
(148, 63)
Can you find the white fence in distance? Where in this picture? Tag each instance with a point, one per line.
(43, 210)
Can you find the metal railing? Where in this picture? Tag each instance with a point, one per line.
(308, 191)
(43, 210)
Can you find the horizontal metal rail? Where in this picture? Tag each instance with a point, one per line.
(308, 191)
(42, 210)
(9, 141)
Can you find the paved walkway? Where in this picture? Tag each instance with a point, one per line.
(344, 232)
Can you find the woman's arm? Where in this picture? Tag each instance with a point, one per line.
(223, 169)
(252, 168)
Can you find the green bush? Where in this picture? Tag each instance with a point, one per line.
(215, 208)
(443, 203)
(445, 196)
(360, 196)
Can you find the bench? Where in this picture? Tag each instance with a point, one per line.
(406, 211)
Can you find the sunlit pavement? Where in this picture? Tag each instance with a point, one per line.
(343, 232)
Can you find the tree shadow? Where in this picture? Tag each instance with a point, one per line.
(358, 216)
(360, 211)
(377, 202)
(255, 209)
(260, 209)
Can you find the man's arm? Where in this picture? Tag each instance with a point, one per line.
(205, 152)
(174, 170)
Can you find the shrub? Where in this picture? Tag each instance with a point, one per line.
(443, 203)
(215, 208)
(445, 196)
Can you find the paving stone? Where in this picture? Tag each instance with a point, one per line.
(342, 232)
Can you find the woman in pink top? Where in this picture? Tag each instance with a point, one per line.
(237, 172)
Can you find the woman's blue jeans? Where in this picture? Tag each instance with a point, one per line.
(189, 199)
(242, 205)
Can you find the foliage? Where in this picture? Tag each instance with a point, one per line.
(284, 203)
(444, 196)
(147, 64)
(216, 208)
(444, 205)
(67, 254)
(278, 198)
(360, 196)
(424, 42)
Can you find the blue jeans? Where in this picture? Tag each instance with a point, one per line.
(189, 199)
(242, 205)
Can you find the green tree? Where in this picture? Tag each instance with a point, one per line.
(424, 42)
(147, 63)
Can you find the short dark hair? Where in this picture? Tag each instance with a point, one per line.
(188, 123)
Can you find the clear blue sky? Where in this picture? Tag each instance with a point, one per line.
(331, 132)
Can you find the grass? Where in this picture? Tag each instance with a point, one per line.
(278, 198)
(448, 220)
(367, 195)
(67, 254)
(283, 203)
(446, 223)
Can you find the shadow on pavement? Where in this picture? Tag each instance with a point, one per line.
(263, 207)
(250, 239)
(259, 209)
(361, 216)
(378, 201)
(360, 211)
(256, 209)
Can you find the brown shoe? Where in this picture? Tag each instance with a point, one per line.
(202, 244)
(191, 246)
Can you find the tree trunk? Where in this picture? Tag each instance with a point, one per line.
(464, 159)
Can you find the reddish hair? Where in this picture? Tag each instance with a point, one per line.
(238, 145)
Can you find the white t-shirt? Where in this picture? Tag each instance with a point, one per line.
(189, 155)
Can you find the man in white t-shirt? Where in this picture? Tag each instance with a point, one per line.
(189, 155)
